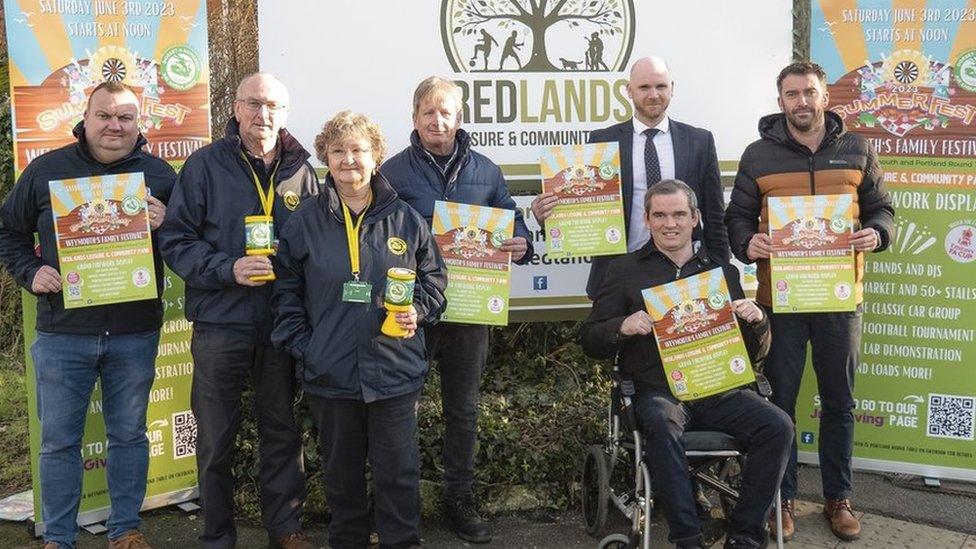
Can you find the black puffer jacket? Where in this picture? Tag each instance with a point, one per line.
(341, 352)
(778, 165)
(620, 296)
(27, 210)
(203, 234)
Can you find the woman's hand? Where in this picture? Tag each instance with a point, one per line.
(407, 320)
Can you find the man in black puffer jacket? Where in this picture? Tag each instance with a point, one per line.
(257, 168)
(804, 150)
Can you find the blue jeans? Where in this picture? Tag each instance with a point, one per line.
(762, 428)
(65, 367)
(835, 339)
(460, 352)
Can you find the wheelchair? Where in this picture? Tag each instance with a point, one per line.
(616, 473)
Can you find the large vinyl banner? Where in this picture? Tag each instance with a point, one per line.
(535, 73)
(903, 75)
(59, 51)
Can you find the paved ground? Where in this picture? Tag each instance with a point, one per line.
(895, 512)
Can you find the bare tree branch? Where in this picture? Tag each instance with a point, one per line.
(518, 6)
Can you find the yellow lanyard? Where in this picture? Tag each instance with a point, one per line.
(267, 199)
(352, 234)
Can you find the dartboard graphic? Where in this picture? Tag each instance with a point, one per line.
(113, 70)
(906, 72)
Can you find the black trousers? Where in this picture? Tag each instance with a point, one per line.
(459, 352)
(384, 432)
(222, 364)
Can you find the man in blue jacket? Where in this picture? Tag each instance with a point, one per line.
(440, 165)
(114, 343)
(257, 168)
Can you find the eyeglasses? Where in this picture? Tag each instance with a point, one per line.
(253, 105)
(340, 152)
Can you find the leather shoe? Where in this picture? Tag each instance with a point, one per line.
(789, 513)
(843, 523)
(462, 516)
(295, 540)
(133, 539)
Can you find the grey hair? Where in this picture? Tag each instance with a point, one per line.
(436, 84)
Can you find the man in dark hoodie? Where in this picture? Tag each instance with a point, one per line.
(114, 343)
(439, 164)
(804, 150)
(258, 168)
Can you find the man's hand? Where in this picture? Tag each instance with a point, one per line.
(760, 246)
(542, 206)
(47, 280)
(747, 310)
(638, 323)
(866, 240)
(157, 212)
(251, 265)
(517, 246)
(407, 320)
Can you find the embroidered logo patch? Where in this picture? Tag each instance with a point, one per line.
(396, 245)
(291, 200)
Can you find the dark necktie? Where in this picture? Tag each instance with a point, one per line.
(651, 163)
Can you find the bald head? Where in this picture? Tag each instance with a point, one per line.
(650, 89)
(263, 80)
(261, 109)
(652, 64)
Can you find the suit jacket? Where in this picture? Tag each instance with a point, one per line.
(695, 163)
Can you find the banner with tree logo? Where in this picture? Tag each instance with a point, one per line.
(903, 75)
(533, 74)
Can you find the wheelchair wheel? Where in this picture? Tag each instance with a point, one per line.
(595, 495)
(615, 541)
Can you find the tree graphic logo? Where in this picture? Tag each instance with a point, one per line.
(537, 35)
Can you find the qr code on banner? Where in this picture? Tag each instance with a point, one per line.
(951, 416)
(184, 435)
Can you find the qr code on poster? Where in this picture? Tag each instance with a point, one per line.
(951, 416)
(184, 435)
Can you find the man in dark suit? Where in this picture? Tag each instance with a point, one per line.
(654, 147)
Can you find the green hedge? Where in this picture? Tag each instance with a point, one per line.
(542, 403)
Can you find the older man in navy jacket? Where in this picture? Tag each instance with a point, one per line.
(440, 165)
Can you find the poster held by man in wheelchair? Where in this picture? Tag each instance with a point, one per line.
(700, 342)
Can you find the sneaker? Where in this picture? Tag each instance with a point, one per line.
(51, 545)
(133, 539)
(295, 540)
(843, 523)
(742, 543)
(789, 526)
(462, 516)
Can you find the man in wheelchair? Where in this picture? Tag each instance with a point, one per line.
(619, 325)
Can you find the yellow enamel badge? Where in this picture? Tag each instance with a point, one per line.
(291, 200)
(396, 245)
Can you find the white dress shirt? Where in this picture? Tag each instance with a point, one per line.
(638, 234)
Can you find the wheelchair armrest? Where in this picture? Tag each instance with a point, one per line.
(762, 385)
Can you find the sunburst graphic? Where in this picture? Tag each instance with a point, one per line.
(911, 238)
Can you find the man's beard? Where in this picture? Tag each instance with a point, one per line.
(816, 118)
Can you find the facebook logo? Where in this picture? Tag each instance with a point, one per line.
(806, 437)
(540, 282)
